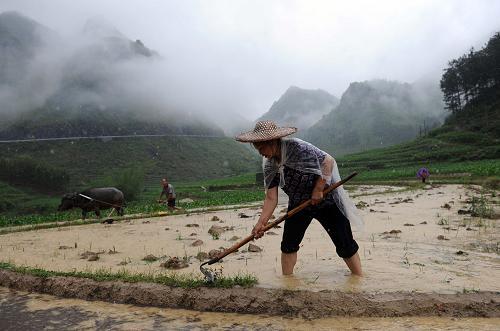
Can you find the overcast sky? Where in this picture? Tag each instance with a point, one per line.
(244, 54)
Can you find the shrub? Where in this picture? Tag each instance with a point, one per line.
(6, 205)
(129, 180)
(26, 171)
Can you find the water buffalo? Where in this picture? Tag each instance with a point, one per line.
(94, 199)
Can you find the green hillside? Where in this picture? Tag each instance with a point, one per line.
(451, 156)
(179, 158)
(377, 113)
(92, 162)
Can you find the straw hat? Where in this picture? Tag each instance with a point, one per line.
(265, 130)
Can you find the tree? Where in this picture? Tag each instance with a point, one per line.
(472, 78)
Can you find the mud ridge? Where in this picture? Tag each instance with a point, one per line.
(301, 303)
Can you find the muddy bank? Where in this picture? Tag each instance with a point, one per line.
(298, 303)
(34, 311)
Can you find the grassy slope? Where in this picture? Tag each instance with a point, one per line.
(179, 158)
(182, 159)
(450, 155)
(465, 149)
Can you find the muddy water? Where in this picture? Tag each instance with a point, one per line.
(24, 311)
(412, 260)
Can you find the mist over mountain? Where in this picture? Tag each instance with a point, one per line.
(300, 108)
(22, 82)
(378, 113)
(96, 83)
(19, 39)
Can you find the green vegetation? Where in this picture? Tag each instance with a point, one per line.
(236, 190)
(17, 201)
(169, 279)
(377, 113)
(129, 180)
(181, 159)
(134, 165)
(479, 207)
(471, 88)
(474, 78)
(449, 158)
(26, 171)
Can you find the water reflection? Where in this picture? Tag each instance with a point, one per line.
(291, 282)
(353, 283)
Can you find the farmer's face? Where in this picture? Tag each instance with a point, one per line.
(265, 148)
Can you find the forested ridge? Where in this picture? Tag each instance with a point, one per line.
(471, 89)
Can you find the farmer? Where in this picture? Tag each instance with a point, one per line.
(303, 171)
(423, 174)
(169, 192)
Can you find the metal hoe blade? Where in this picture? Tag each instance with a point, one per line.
(209, 275)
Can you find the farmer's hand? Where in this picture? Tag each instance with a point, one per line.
(317, 196)
(257, 230)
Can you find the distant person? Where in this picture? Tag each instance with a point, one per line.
(423, 173)
(169, 192)
(303, 171)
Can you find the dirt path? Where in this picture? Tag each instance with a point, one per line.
(31, 311)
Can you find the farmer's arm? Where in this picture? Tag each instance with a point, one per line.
(270, 203)
(326, 170)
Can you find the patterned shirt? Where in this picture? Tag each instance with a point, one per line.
(299, 184)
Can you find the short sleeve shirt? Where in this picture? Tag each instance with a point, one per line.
(299, 184)
(169, 189)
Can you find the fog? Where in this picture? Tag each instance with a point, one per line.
(220, 57)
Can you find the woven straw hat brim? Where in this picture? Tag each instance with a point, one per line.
(252, 136)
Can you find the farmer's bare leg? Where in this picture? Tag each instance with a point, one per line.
(288, 261)
(354, 264)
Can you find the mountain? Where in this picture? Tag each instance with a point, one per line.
(378, 113)
(20, 37)
(98, 83)
(300, 108)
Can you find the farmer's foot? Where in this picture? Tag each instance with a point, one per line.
(288, 261)
(354, 264)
